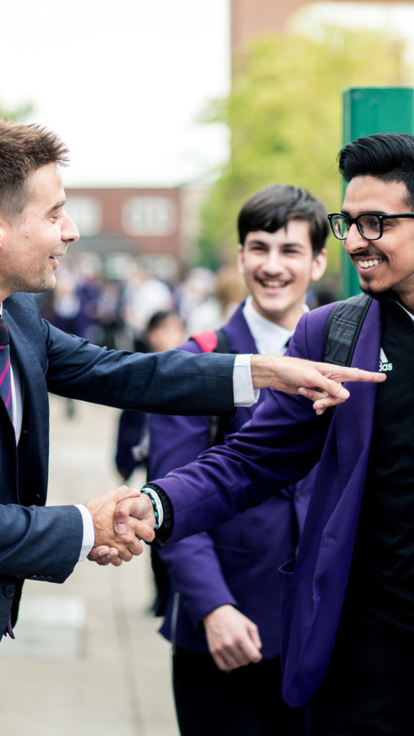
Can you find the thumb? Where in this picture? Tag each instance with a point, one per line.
(121, 513)
(255, 637)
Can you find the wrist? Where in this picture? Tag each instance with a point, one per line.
(263, 366)
(164, 531)
(156, 505)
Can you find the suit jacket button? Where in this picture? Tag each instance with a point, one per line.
(9, 591)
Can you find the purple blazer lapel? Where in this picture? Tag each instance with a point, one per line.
(315, 610)
(238, 335)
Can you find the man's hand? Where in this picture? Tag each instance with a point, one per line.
(233, 640)
(139, 507)
(319, 382)
(112, 547)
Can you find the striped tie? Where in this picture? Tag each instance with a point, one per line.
(5, 371)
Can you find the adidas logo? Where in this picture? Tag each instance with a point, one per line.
(384, 365)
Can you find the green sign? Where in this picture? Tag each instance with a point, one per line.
(369, 110)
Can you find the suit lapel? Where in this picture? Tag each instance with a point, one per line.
(32, 378)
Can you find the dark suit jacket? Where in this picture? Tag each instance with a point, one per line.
(278, 446)
(44, 543)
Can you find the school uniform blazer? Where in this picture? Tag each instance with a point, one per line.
(280, 444)
(44, 543)
(233, 563)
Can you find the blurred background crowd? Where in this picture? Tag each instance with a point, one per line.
(142, 312)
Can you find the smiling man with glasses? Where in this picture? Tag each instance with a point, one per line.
(348, 613)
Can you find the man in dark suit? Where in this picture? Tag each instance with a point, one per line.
(46, 543)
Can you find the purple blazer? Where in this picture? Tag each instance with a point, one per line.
(234, 562)
(279, 445)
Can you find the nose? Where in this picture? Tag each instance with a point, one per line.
(70, 233)
(354, 241)
(273, 262)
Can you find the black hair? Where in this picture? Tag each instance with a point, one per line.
(272, 207)
(159, 317)
(386, 156)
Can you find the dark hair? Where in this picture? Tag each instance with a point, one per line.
(274, 206)
(23, 150)
(386, 156)
(159, 317)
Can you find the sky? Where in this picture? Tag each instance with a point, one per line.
(391, 18)
(123, 81)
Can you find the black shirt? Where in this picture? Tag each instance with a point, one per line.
(381, 585)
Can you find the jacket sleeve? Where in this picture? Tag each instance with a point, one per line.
(167, 383)
(276, 448)
(176, 441)
(39, 542)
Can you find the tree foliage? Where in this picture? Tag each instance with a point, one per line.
(18, 114)
(284, 115)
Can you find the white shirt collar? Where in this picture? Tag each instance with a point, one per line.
(269, 337)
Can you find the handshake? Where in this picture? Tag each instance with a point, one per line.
(122, 519)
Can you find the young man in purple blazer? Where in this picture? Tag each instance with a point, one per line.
(223, 609)
(348, 612)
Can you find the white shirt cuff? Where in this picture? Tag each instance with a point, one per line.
(244, 393)
(88, 532)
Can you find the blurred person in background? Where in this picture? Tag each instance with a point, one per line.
(217, 305)
(143, 296)
(222, 595)
(165, 331)
(196, 289)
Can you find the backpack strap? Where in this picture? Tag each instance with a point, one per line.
(206, 340)
(343, 328)
(211, 341)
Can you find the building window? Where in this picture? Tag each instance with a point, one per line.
(86, 213)
(149, 216)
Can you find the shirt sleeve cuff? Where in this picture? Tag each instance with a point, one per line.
(244, 393)
(88, 532)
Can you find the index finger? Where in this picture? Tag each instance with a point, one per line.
(357, 374)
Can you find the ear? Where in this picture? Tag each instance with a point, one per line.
(240, 259)
(319, 264)
(3, 226)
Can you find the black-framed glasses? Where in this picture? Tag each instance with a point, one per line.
(370, 224)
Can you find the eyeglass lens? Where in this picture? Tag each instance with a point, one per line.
(369, 226)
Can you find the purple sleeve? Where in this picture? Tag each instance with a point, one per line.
(192, 564)
(276, 448)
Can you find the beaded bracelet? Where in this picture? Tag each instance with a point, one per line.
(156, 505)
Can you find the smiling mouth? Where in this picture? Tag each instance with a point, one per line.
(268, 284)
(368, 262)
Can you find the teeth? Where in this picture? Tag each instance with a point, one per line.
(273, 284)
(370, 264)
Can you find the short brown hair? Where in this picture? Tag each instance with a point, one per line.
(24, 149)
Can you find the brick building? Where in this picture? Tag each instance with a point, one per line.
(252, 18)
(156, 227)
